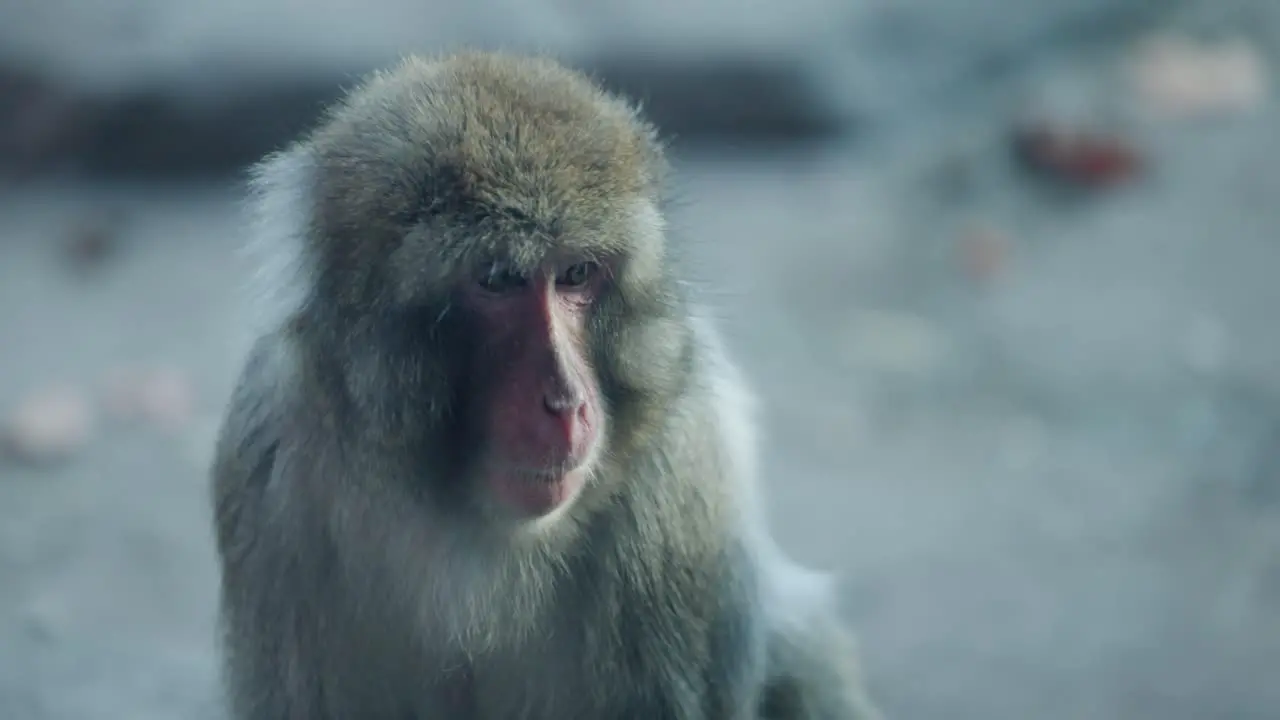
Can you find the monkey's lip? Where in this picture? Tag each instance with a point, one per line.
(538, 493)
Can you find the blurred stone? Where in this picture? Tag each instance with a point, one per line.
(183, 88)
(38, 121)
(1177, 76)
(173, 130)
(49, 425)
(166, 131)
(697, 95)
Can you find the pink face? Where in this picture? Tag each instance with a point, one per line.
(541, 415)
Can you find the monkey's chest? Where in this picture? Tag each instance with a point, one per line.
(631, 665)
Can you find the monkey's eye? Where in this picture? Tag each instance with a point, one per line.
(499, 278)
(577, 275)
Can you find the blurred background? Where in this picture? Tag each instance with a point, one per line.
(1002, 270)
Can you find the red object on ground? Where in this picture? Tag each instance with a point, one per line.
(1080, 158)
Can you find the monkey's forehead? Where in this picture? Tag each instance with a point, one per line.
(481, 155)
(488, 136)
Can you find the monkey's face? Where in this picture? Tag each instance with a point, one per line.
(536, 403)
(509, 386)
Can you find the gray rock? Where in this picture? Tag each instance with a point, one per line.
(137, 87)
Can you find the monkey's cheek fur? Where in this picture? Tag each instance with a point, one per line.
(530, 497)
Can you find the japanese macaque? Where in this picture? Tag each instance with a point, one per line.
(485, 458)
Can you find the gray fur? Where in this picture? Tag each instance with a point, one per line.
(356, 582)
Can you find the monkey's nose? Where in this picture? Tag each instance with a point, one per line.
(563, 404)
(567, 413)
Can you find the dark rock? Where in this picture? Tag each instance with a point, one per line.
(741, 96)
(38, 121)
(165, 131)
(158, 132)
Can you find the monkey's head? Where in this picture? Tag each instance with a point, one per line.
(488, 277)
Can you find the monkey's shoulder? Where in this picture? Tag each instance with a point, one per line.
(251, 421)
(251, 432)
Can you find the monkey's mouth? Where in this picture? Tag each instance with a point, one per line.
(535, 494)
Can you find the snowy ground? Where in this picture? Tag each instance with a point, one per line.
(1052, 494)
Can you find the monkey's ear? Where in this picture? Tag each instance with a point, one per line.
(655, 150)
(279, 220)
(648, 244)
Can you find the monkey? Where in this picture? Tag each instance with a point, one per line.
(487, 456)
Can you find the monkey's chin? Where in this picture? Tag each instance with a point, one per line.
(530, 496)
